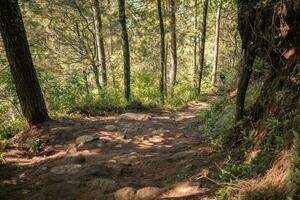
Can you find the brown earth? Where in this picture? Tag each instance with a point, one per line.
(159, 155)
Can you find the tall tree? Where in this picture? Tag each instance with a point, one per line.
(162, 51)
(99, 42)
(195, 66)
(202, 44)
(111, 46)
(88, 51)
(125, 46)
(173, 69)
(217, 39)
(19, 57)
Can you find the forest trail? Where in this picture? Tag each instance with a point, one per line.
(160, 155)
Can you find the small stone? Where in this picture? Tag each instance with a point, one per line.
(119, 146)
(25, 191)
(148, 193)
(44, 168)
(160, 131)
(66, 169)
(100, 144)
(112, 161)
(127, 193)
(84, 139)
(134, 116)
(111, 128)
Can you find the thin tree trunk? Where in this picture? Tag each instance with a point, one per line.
(173, 69)
(162, 51)
(166, 67)
(247, 63)
(111, 64)
(21, 65)
(99, 42)
(217, 39)
(96, 74)
(125, 46)
(195, 66)
(202, 45)
(86, 83)
(165, 9)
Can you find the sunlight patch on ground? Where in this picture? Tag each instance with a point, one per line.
(183, 189)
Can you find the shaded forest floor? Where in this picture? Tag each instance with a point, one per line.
(160, 155)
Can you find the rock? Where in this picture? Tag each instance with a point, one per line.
(119, 146)
(134, 116)
(84, 139)
(104, 185)
(112, 161)
(66, 169)
(131, 128)
(160, 131)
(111, 128)
(127, 193)
(25, 191)
(148, 193)
(95, 144)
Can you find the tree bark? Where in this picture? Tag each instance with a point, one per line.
(86, 83)
(217, 39)
(99, 43)
(247, 62)
(125, 46)
(96, 74)
(202, 45)
(173, 69)
(162, 51)
(111, 47)
(195, 66)
(20, 61)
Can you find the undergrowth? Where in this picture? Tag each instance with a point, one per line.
(218, 123)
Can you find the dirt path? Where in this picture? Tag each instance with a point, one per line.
(159, 155)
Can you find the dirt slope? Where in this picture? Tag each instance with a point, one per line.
(92, 158)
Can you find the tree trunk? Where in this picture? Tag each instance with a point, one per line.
(111, 49)
(99, 43)
(96, 74)
(125, 46)
(195, 66)
(202, 45)
(217, 39)
(247, 62)
(86, 83)
(162, 51)
(20, 61)
(173, 69)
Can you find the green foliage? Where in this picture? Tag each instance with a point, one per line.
(218, 121)
(224, 193)
(295, 165)
(145, 88)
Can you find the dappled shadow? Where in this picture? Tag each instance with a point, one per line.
(157, 150)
